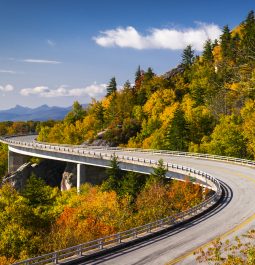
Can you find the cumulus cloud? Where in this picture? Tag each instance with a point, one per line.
(166, 38)
(6, 88)
(41, 61)
(93, 91)
(34, 91)
(7, 71)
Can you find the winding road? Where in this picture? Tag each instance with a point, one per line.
(234, 215)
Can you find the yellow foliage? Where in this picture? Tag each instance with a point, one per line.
(158, 101)
(168, 113)
(106, 101)
(132, 143)
(217, 53)
(5, 261)
(234, 86)
(148, 142)
(237, 30)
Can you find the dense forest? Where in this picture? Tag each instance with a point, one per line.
(206, 104)
(41, 219)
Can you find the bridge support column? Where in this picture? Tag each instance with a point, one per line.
(80, 175)
(15, 161)
(92, 174)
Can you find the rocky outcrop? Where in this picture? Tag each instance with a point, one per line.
(48, 170)
(69, 177)
(19, 179)
(175, 71)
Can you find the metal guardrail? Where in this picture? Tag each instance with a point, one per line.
(242, 161)
(113, 240)
(122, 237)
(185, 154)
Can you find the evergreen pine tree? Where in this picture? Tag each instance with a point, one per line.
(226, 43)
(138, 78)
(138, 74)
(149, 74)
(127, 85)
(111, 87)
(207, 52)
(114, 176)
(177, 133)
(188, 56)
(248, 36)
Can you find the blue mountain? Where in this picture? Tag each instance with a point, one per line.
(42, 113)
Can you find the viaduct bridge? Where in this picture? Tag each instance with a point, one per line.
(232, 180)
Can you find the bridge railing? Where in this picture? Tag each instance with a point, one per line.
(64, 147)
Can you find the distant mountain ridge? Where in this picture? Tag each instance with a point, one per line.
(41, 113)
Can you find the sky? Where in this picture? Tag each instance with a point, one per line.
(57, 51)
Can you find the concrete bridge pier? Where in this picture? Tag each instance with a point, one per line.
(92, 174)
(15, 160)
(80, 175)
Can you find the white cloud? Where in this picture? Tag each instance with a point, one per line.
(51, 43)
(93, 91)
(7, 88)
(167, 38)
(41, 61)
(7, 71)
(34, 91)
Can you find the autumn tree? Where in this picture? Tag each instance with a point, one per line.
(3, 160)
(38, 193)
(77, 113)
(227, 138)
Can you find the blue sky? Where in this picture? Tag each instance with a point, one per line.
(57, 51)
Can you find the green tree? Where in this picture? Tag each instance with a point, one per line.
(248, 36)
(188, 56)
(207, 52)
(149, 74)
(127, 85)
(177, 133)
(227, 138)
(77, 113)
(38, 193)
(19, 231)
(111, 87)
(138, 77)
(159, 173)
(114, 176)
(131, 184)
(226, 40)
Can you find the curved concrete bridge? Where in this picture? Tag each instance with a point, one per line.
(234, 215)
